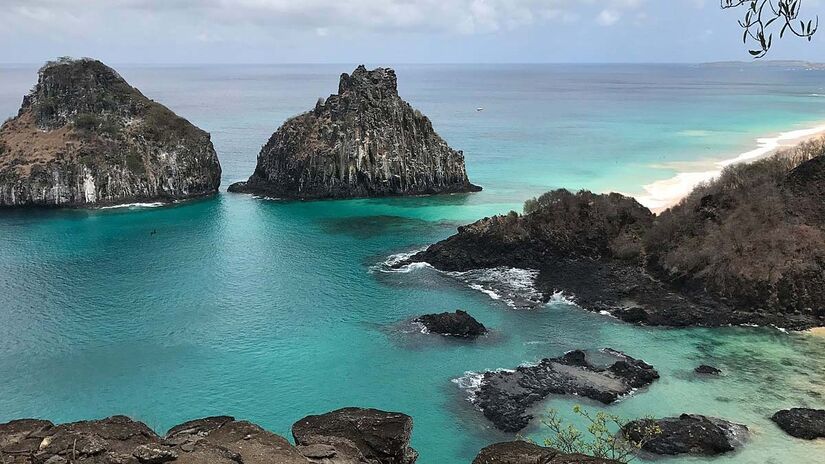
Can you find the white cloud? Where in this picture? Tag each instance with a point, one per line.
(608, 17)
(451, 16)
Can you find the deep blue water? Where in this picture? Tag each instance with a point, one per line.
(272, 310)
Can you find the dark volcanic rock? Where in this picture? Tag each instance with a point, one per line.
(505, 396)
(457, 324)
(522, 452)
(707, 370)
(363, 142)
(380, 437)
(801, 422)
(687, 434)
(85, 137)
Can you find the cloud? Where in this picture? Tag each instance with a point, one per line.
(608, 17)
(350, 16)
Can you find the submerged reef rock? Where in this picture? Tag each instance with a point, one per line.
(704, 369)
(504, 396)
(522, 452)
(347, 436)
(363, 142)
(801, 422)
(686, 434)
(458, 324)
(746, 248)
(360, 435)
(85, 137)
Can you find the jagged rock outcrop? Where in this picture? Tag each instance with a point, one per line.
(801, 422)
(505, 396)
(687, 434)
(458, 324)
(364, 141)
(85, 137)
(359, 435)
(522, 452)
(747, 248)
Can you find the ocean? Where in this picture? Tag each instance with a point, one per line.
(269, 310)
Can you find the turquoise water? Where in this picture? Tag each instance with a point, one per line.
(273, 310)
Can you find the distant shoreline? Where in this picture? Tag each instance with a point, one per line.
(662, 194)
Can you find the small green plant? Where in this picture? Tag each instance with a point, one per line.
(602, 437)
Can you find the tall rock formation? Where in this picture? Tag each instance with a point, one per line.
(85, 137)
(363, 142)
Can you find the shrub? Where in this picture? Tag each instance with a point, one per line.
(602, 437)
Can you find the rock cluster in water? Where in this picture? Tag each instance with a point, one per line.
(686, 434)
(458, 324)
(505, 396)
(802, 422)
(364, 141)
(744, 249)
(347, 436)
(85, 137)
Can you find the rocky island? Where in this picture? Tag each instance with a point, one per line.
(458, 324)
(364, 141)
(85, 137)
(746, 248)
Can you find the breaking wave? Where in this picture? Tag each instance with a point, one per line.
(389, 264)
(156, 204)
(513, 286)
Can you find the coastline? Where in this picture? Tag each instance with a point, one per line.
(662, 194)
(816, 331)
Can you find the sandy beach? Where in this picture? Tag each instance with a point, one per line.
(817, 331)
(662, 194)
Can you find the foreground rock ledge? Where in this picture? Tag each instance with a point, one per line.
(522, 452)
(505, 396)
(85, 137)
(364, 141)
(347, 436)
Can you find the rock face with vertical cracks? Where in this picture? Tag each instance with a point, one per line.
(85, 137)
(506, 395)
(364, 141)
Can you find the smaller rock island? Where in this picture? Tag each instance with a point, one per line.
(364, 141)
(458, 324)
(85, 137)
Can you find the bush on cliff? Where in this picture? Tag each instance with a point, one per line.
(741, 237)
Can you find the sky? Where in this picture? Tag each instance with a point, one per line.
(393, 31)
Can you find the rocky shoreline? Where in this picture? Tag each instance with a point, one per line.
(724, 256)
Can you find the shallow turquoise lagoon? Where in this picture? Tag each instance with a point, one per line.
(272, 310)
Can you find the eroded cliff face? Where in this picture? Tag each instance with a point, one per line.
(85, 137)
(365, 141)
